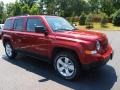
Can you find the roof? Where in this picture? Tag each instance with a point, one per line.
(32, 16)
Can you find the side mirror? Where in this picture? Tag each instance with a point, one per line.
(40, 29)
(74, 24)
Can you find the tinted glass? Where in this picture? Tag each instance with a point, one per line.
(8, 24)
(19, 24)
(32, 23)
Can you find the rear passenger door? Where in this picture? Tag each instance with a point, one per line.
(19, 35)
(36, 42)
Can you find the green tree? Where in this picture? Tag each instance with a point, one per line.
(1, 11)
(9, 9)
(34, 10)
(28, 2)
(17, 9)
(104, 19)
(82, 19)
(116, 4)
(65, 8)
(116, 18)
(94, 5)
(107, 6)
(89, 21)
(75, 7)
(25, 9)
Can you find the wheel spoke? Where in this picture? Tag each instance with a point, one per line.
(61, 69)
(61, 62)
(67, 72)
(71, 67)
(66, 60)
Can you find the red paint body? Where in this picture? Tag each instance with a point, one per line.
(77, 41)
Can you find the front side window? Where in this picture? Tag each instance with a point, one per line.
(19, 24)
(8, 24)
(59, 24)
(32, 23)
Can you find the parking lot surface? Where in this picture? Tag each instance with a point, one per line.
(26, 73)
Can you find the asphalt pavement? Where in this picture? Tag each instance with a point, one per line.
(26, 73)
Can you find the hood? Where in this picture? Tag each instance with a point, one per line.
(82, 35)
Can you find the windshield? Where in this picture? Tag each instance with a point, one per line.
(59, 24)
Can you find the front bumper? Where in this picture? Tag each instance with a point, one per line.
(98, 60)
(97, 64)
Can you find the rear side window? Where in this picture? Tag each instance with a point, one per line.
(32, 23)
(8, 24)
(19, 24)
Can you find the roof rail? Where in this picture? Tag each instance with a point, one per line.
(26, 15)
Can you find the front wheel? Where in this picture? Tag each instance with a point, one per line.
(67, 66)
(10, 52)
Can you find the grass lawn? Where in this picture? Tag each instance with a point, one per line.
(97, 26)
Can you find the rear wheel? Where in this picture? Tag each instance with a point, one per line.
(10, 52)
(67, 66)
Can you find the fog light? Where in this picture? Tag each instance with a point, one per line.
(90, 52)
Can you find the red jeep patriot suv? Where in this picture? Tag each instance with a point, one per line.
(54, 39)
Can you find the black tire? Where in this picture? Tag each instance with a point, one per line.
(13, 53)
(76, 73)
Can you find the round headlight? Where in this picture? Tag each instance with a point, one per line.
(98, 45)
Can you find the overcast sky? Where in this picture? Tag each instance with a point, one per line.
(7, 1)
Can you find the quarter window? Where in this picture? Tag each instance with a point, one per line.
(8, 24)
(19, 24)
(32, 23)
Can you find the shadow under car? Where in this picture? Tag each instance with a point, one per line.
(103, 79)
